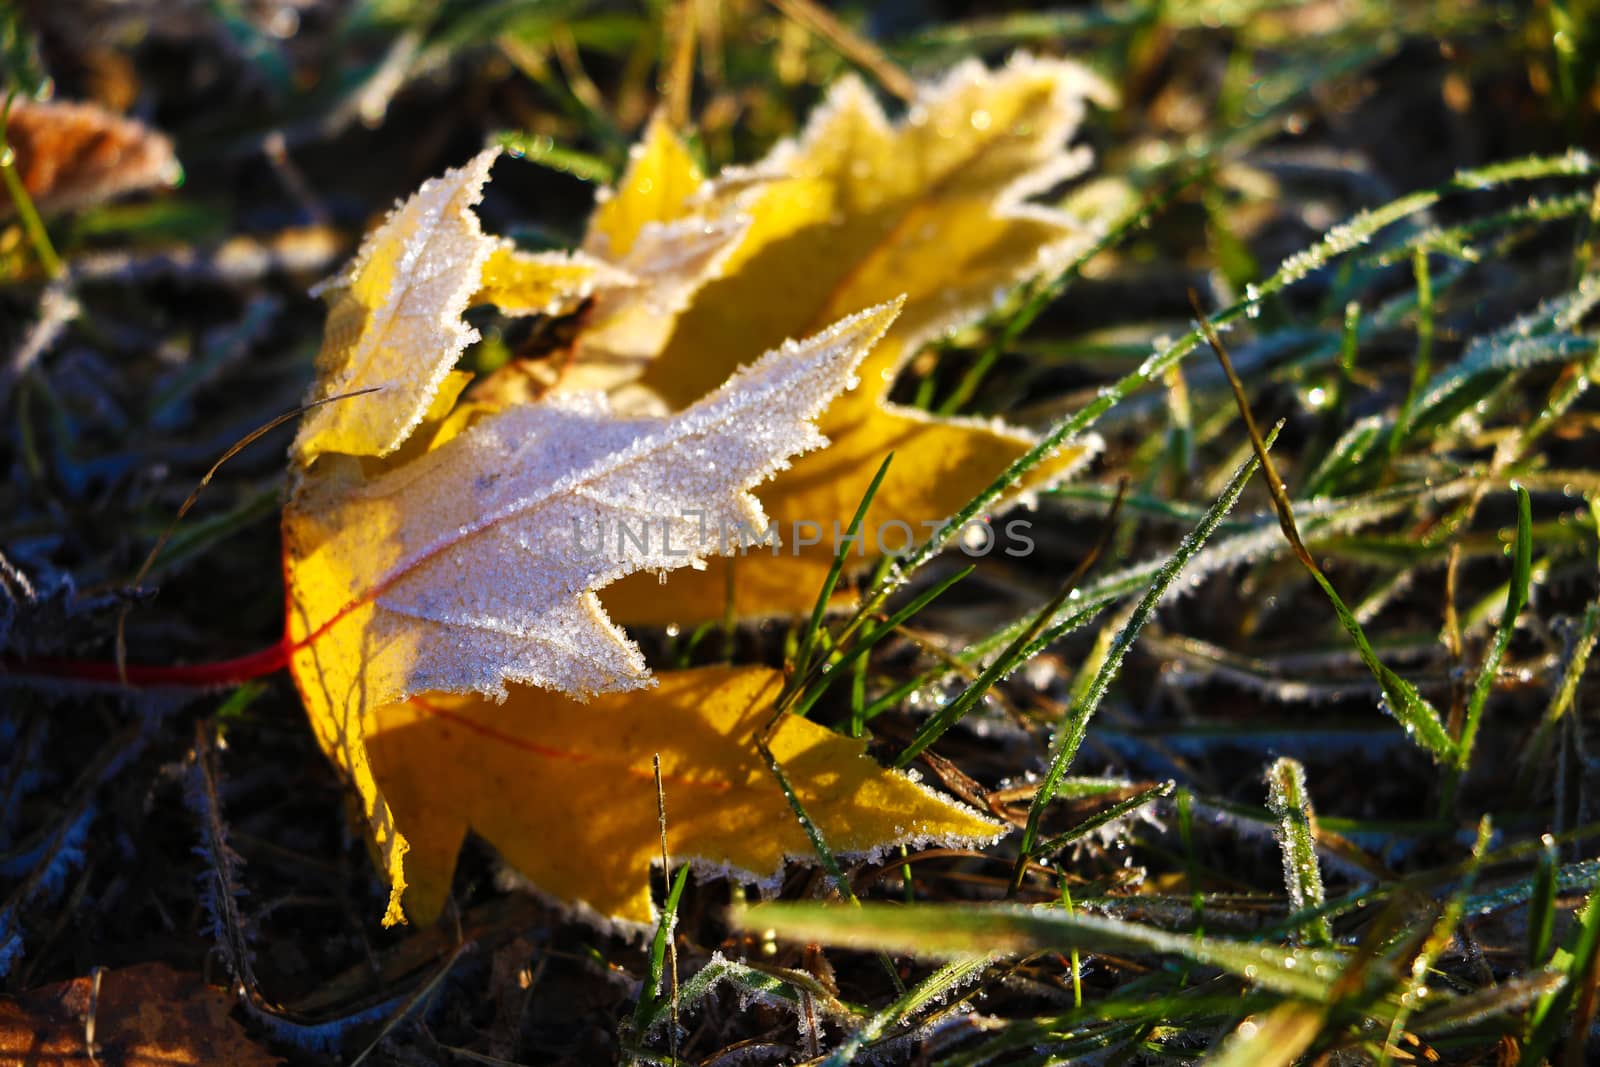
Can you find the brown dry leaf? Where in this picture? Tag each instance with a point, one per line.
(147, 1015)
(71, 155)
(858, 210)
(566, 791)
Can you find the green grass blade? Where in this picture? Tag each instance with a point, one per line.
(1065, 748)
(840, 667)
(543, 150)
(22, 203)
(1290, 804)
(1422, 363)
(1119, 810)
(1516, 600)
(1008, 661)
(819, 844)
(1542, 907)
(1456, 241)
(750, 983)
(1577, 959)
(653, 995)
(813, 833)
(831, 582)
(1540, 337)
(1419, 718)
(1275, 1040)
(968, 930)
(1536, 754)
(934, 990)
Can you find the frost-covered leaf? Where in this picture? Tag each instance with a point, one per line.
(473, 565)
(565, 791)
(858, 210)
(654, 225)
(71, 155)
(394, 316)
(394, 320)
(544, 283)
(655, 190)
(654, 229)
(627, 327)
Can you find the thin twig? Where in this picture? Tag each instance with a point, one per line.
(161, 542)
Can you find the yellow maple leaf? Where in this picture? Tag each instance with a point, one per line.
(474, 564)
(543, 283)
(394, 318)
(651, 229)
(657, 187)
(455, 568)
(855, 211)
(565, 791)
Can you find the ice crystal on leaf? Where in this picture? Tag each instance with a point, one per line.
(474, 564)
(443, 558)
(394, 318)
(940, 207)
